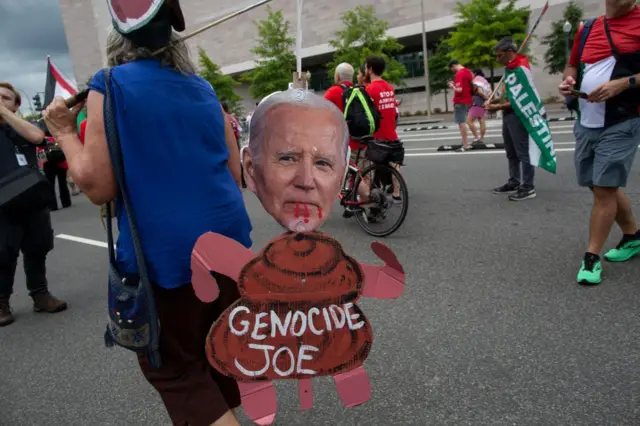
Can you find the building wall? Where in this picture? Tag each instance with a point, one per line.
(229, 44)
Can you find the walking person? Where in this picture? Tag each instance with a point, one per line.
(183, 179)
(481, 92)
(608, 131)
(462, 100)
(520, 185)
(31, 234)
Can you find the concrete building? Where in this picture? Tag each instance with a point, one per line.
(87, 24)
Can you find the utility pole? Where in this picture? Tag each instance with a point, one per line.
(427, 85)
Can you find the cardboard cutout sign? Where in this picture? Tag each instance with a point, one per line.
(297, 317)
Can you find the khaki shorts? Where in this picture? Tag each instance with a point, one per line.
(363, 163)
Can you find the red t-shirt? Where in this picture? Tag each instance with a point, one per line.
(625, 32)
(463, 79)
(385, 99)
(334, 95)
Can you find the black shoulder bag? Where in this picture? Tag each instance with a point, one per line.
(133, 318)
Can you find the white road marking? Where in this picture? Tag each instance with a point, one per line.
(456, 136)
(483, 152)
(435, 148)
(82, 240)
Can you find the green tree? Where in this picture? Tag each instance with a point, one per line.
(276, 60)
(363, 35)
(480, 25)
(439, 73)
(32, 117)
(224, 85)
(557, 53)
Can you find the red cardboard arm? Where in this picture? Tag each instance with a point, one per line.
(383, 282)
(217, 253)
(259, 401)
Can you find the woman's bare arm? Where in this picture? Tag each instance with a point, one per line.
(90, 167)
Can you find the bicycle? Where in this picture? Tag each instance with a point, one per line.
(380, 176)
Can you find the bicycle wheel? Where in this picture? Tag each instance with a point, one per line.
(374, 218)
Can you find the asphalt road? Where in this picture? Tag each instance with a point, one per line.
(492, 328)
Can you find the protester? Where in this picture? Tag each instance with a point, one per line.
(608, 131)
(57, 171)
(235, 125)
(362, 76)
(182, 171)
(462, 100)
(344, 77)
(32, 234)
(384, 97)
(481, 92)
(520, 185)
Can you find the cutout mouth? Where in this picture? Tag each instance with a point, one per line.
(305, 210)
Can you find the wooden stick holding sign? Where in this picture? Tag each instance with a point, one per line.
(522, 46)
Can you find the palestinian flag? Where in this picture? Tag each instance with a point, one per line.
(57, 84)
(526, 103)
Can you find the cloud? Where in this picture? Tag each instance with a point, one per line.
(29, 31)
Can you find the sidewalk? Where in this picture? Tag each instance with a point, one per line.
(554, 111)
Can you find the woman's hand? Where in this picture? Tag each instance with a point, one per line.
(59, 119)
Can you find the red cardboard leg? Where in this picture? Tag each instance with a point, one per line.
(353, 387)
(306, 394)
(259, 401)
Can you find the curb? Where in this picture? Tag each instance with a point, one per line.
(413, 123)
(473, 148)
(553, 120)
(417, 129)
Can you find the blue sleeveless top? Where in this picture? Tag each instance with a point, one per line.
(171, 131)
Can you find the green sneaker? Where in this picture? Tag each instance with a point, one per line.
(627, 249)
(591, 271)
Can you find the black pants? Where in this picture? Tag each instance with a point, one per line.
(516, 145)
(33, 235)
(52, 171)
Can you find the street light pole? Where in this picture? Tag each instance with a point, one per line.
(427, 85)
(567, 27)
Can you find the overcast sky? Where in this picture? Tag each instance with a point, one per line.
(29, 31)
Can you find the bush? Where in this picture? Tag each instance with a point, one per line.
(437, 110)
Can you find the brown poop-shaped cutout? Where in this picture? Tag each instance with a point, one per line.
(297, 316)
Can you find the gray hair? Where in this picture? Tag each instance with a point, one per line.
(121, 50)
(299, 98)
(506, 44)
(345, 72)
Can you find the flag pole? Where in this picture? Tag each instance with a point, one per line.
(82, 95)
(523, 45)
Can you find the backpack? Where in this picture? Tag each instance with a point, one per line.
(573, 103)
(360, 112)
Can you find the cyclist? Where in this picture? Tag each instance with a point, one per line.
(384, 97)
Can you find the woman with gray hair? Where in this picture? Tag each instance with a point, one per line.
(182, 173)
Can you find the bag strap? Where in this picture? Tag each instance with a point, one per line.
(115, 152)
(614, 50)
(584, 35)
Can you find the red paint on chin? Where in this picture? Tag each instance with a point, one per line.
(319, 213)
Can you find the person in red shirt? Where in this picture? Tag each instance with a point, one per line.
(384, 97)
(608, 130)
(462, 99)
(343, 76)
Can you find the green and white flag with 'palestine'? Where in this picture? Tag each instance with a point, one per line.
(527, 104)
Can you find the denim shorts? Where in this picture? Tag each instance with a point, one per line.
(461, 111)
(603, 157)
